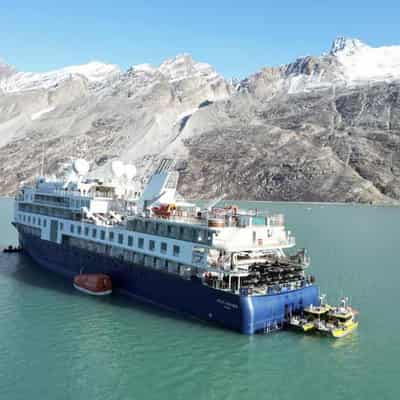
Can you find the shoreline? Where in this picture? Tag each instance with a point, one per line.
(288, 202)
(313, 203)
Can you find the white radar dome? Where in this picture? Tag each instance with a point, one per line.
(117, 168)
(80, 166)
(130, 171)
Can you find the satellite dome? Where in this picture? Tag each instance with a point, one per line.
(130, 171)
(117, 168)
(80, 166)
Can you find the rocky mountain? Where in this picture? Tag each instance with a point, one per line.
(323, 128)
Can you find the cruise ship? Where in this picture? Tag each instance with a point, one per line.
(235, 268)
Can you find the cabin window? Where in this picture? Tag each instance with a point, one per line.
(141, 243)
(61, 226)
(72, 228)
(176, 250)
(33, 220)
(163, 247)
(86, 231)
(157, 263)
(152, 245)
(120, 238)
(132, 224)
(201, 235)
(94, 233)
(172, 267)
(198, 255)
(111, 236)
(139, 258)
(102, 235)
(130, 241)
(39, 222)
(79, 230)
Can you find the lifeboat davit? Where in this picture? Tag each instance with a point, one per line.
(94, 284)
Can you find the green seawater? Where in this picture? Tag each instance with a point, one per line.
(56, 343)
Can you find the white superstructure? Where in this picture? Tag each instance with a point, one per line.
(157, 228)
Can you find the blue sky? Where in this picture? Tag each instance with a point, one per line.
(236, 37)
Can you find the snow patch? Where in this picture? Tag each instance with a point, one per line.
(94, 71)
(145, 68)
(26, 81)
(38, 114)
(364, 63)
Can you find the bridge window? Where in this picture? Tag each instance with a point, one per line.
(130, 241)
(86, 231)
(94, 233)
(152, 245)
(79, 230)
(163, 247)
(111, 236)
(120, 238)
(72, 228)
(102, 235)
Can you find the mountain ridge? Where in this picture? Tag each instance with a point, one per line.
(307, 130)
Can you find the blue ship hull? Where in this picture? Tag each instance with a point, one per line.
(245, 314)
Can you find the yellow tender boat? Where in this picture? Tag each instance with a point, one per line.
(332, 321)
(344, 329)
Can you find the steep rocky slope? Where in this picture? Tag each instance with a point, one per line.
(321, 128)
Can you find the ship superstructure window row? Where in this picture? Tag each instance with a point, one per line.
(62, 201)
(132, 256)
(126, 240)
(176, 231)
(49, 211)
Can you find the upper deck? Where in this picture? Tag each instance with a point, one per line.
(228, 229)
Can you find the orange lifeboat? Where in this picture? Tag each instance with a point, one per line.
(94, 284)
(164, 210)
